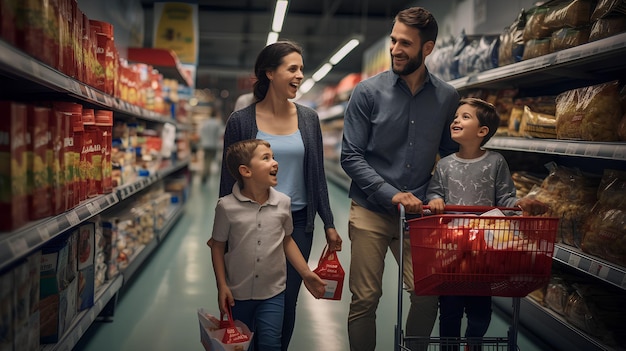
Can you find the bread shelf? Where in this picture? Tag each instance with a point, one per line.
(21, 242)
(595, 61)
(600, 150)
(590, 265)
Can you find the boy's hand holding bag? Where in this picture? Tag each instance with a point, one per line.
(223, 334)
(330, 270)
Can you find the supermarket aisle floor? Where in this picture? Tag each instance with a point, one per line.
(157, 311)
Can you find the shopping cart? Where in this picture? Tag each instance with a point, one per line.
(466, 254)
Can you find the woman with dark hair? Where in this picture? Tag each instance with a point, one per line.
(294, 132)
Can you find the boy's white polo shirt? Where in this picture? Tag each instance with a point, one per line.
(255, 261)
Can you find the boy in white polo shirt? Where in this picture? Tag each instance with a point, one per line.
(256, 222)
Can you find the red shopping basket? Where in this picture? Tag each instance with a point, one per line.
(486, 256)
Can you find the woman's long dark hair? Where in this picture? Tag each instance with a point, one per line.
(268, 60)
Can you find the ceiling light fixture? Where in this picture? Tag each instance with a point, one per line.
(279, 15)
(326, 67)
(307, 85)
(341, 53)
(322, 72)
(272, 37)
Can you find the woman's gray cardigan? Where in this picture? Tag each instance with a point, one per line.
(241, 125)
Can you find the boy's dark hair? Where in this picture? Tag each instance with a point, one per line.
(420, 19)
(240, 153)
(486, 114)
(268, 60)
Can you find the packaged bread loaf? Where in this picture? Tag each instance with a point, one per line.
(536, 47)
(606, 8)
(590, 113)
(566, 38)
(606, 27)
(511, 47)
(575, 13)
(535, 24)
(605, 230)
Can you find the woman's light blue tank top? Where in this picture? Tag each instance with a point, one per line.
(289, 153)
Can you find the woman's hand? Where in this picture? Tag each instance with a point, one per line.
(333, 239)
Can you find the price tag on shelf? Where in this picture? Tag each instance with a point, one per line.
(72, 218)
(96, 205)
(571, 149)
(18, 246)
(594, 267)
(43, 233)
(619, 152)
(573, 260)
(592, 150)
(90, 207)
(604, 272)
(550, 147)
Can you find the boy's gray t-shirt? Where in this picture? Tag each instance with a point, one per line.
(483, 181)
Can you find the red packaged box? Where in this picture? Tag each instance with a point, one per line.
(13, 165)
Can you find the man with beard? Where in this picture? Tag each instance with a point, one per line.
(394, 126)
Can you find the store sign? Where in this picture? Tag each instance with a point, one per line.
(176, 28)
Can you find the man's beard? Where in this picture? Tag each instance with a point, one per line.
(411, 66)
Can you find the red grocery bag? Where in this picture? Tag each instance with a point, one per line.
(330, 270)
(213, 333)
(232, 335)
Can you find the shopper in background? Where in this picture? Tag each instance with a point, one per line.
(251, 276)
(296, 138)
(210, 137)
(395, 124)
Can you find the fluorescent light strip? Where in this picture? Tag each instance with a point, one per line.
(307, 85)
(341, 53)
(272, 37)
(279, 15)
(322, 72)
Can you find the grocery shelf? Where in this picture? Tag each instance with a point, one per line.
(138, 258)
(554, 330)
(174, 212)
(596, 267)
(164, 60)
(16, 63)
(18, 244)
(127, 190)
(592, 61)
(600, 150)
(85, 318)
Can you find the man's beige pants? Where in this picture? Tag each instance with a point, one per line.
(371, 234)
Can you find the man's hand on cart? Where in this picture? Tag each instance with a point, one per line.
(532, 207)
(436, 206)
(410, 202)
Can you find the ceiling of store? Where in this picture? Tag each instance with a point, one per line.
(232, 32)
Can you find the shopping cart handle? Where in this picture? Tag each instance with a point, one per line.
(461, 208)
